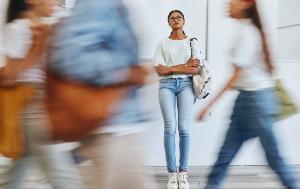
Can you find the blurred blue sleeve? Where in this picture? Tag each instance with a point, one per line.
(96, 45)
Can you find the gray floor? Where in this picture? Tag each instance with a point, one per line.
(240, 177)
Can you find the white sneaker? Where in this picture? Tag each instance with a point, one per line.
(182, 181)
(172, 183)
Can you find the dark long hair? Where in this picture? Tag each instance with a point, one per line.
(253, 14)
(15, 9)
(178, 11)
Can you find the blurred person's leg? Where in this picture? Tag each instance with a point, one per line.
(117, 162)
(16, 173)
(103, 151)
(59, 168)
(77, 157)
(274, 158)
(56, 165)
(13, 177)
(133, 172)
(266, 105)
(185, 102)
(232, 144)
(240, 129)
(167, 101)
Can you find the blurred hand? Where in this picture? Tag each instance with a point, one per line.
(138, 75)
(162, 70)
(193, 62)
(8, 75)
(14, 67)
(41, 29)
(203, 114)
(270, 68)
(41, 35)
(8, 83)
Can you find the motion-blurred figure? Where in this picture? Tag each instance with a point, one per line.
(96, 46)
(25, 41)
(256, 105)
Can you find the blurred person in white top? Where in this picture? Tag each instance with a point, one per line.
(26, 37)
(3, 6)
(255, 109)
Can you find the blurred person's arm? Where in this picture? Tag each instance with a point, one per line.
(15, 66)
(136, 76)
(228, 85)
(239, 59)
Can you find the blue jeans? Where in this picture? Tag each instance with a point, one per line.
(253, 116)
(176, 97)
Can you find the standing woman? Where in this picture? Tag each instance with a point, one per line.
(26, 39)
(255, 107)
(174, 65)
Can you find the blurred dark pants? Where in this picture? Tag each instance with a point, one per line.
(253, 116)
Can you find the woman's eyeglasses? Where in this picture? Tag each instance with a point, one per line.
(178, 18)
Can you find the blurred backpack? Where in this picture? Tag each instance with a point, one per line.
(201, 81)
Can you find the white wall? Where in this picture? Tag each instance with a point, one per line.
(288, 30)
(151, 23)
(3, 7)
(289, 12)
(288, 60)
(208, 136)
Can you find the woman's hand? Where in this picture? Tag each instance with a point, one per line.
(162, 70)
(270, 68)
(41, 35)
(14, 67)
(203, 113)
(193, 62)
(138, 75)
(8, 74)
(5, 81)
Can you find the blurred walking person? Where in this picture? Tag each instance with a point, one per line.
(97, 48)
(255, 108)
(25, 39)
